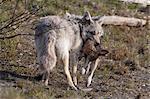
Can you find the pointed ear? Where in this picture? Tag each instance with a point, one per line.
(96, 18)
(100, 22)
(87, 17)
(67, 15)
(99, 19)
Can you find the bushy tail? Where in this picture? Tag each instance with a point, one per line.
(45, 46)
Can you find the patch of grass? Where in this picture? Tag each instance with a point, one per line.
(34, 90)
(8, 49)
(29, 91)
(11, 93)
(70, 93)
(18, 70)
(106, 71)
(119, 53)
(133, 6)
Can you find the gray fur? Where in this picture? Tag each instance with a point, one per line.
(56, 37)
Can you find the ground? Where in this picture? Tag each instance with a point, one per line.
(118, 83)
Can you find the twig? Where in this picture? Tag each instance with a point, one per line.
(19, 19)
(16, 5)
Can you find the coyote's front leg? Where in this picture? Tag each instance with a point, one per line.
(93, 68)
(75, 74)
(66, 68)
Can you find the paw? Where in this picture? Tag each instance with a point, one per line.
(75, 80)
(73, 88)
(46, 82)
(89, 81)
(83, 71)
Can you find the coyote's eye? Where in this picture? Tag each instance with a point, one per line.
(92, 32)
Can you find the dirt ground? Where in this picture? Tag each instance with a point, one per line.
(107, 84)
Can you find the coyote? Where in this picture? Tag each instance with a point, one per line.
(57, 37)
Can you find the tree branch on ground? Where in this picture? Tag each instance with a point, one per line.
(118, 20)
(143, 2)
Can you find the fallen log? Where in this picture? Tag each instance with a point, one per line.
(118, 20)
(143, 2)
(113, 20)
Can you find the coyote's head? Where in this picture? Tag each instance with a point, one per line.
(91, 27)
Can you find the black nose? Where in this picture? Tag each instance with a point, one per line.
(102, 36)
(96, 44)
